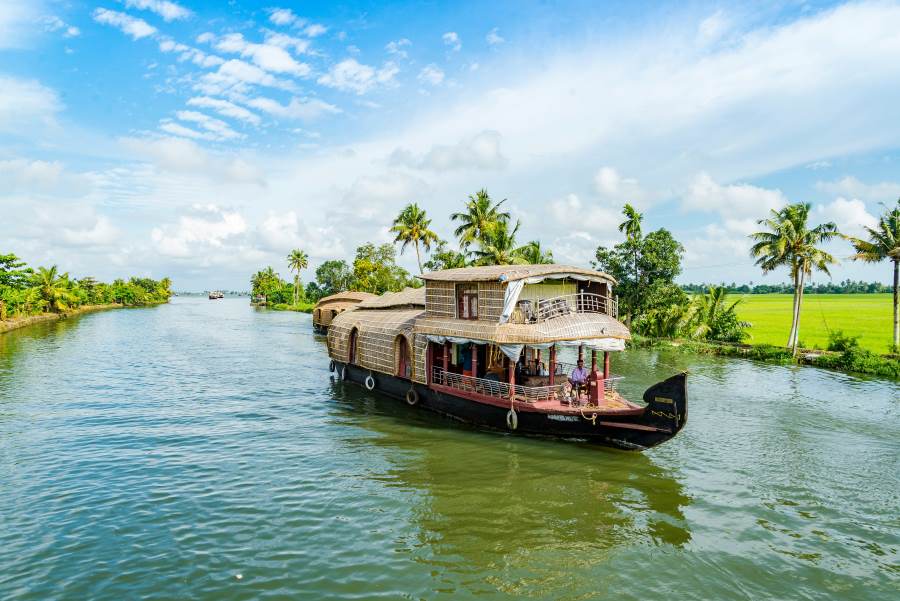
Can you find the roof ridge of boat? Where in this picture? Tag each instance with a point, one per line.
(508, 273)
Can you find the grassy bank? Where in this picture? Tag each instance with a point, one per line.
(300, 307)
(868, 316)
(853, 360)
(21, 322)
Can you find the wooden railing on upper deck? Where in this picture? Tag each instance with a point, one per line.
(548, 308)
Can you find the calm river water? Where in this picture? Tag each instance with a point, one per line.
(199, 450)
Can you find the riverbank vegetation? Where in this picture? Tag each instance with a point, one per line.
(26, 292)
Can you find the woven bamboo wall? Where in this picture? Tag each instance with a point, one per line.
(377, 331)
(440, 299)
(490, 300)
(420, 348)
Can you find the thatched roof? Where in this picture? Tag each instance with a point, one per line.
(348, 296)
(579, 326)
(408, 297)
(508, 273)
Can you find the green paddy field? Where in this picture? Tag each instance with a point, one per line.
(868, 316)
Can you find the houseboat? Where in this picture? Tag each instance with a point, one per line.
(216, 295)
(486, 345)
(329, 307)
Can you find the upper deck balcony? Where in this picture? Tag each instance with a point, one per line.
(541, 310)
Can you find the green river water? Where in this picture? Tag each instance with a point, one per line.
(199, 450)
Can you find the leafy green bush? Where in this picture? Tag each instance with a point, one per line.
(861, 361)
(837, 341)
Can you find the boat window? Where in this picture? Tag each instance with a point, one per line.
(467, 302)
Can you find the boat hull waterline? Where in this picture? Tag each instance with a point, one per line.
(664, 416)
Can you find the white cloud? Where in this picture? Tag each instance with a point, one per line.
(613, 187)
(851, 186)
(16, 16)
(182, 156)
(281, 232)
(270, 57)
(136, 28)
(493, 38)
(41, 179)
(169, 11)
(481, 151)
(282, 16)
(570, 212)
(352, 76)
(431, 74)
(24, 103)
(305, 109)
(282, 40)
(53, 23)
(216, 129)
(209, 227)
(737, 201)
(713, 27)
(396, 47)
(851, 216)
(101, 233)
(451, 39)
(237, 76)
(225, 108)
(187, 53)
(314, 30)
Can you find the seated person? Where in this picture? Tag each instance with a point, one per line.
(578, 377)
(540, 368)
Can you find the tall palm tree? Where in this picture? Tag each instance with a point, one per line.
(480, 218)
(53, 288)
(884, 243)
(788, 241)
(297, 260)
(710, 308)
(411, 226)
(631, 227)
(499, 247)
(533, 254)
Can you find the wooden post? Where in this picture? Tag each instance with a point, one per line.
(594, 385)
(581, 352)
(429, 361)
(446, 361)
(552, 364)
(474, 360)
(605, 365)
(512, 380)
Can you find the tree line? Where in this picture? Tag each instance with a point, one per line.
(845, 287)
(645, 265)
(26, 291)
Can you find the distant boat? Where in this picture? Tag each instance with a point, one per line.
(215, 294)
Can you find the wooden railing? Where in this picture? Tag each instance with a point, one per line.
(548, 308)
(494, 388)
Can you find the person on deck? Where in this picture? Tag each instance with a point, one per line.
(578, 377)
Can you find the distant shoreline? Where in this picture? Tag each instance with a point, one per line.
(21, 322)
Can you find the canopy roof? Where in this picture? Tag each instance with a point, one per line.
(348, 296)
(508, 273)
(579, 326)
(408, 297)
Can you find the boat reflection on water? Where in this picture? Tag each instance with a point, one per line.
(515, 514)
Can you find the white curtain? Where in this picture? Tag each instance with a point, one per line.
(513, 290)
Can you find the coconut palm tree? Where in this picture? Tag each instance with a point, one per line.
(535, 255)
(499, 247)
(297, 260)
(411, 227)
(480, 218)
(789, 242)
(53, 288)
(884, 243)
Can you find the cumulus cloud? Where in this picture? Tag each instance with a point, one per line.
(572, 213)
(282, 16)
(451, 39)
(736, 201)
(481, 151)
(611, 186)
(101, 233)
(851, 186)
(169, 11)
(352, 76)
(187, 53)
(53, 23)
(268, 56)
(40, 178)
(225, 108)
(431, 74)
(283, 40)
(851, 216)
(214, 129)
(207, 227)
(314, 30)
(397, 47)
(304, 109)
(281, 232)
(238, 77)
(136, 28)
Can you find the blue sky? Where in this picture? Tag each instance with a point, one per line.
(203, 140)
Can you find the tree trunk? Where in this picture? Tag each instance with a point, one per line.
(791, 336)
(896, 314)
(797, 316)
(418, 258)
(296, 286)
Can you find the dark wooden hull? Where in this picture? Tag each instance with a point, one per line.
(665, 415)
